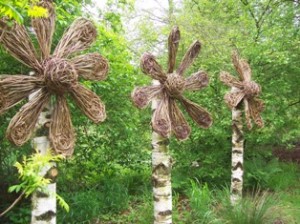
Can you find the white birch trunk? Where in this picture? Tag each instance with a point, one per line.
(161, 175)
(237, 160)
(44, 204)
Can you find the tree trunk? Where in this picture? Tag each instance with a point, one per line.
(44, 204)
(237, 160)
(161, 175)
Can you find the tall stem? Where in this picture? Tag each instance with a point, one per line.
(237, 160)
(161, 175)
(44, 203)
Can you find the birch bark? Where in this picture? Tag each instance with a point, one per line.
(44, 204)
(237, 160)
(161, 175)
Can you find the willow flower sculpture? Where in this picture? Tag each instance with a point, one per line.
(55, 75)
(244, 91)
(167, 117)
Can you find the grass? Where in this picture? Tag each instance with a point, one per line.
(126, 198)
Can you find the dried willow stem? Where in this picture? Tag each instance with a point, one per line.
(61, 132)
(15, 88)
(196, 81)
(151, 67)
(141, 96)
(174, 85)
(89, 103)
(173, 43)
(60, 75)
(229, 80)
(189, 57)
(161, 122)
(197, 113)
(91, 66)
(17, 42)
(242, 67)
(80, 35)
(243, 90)
(256, 106)
(180, 126)
(44, 28)
(234, 98)
(23, 123)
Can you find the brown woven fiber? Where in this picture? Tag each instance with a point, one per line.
(161, 121)
(60, 75)
(167, 117)
(179, 124)
(173, 43)
(61, 133)
(91, 66)
(189, 57)
(89, 103)
(80, 35)
(14, 88)
(44, 28)
(22, 125)
(56, 75)
(142, 96)
(245, 91)
(196, 81)
(17, 42)
(151, 67)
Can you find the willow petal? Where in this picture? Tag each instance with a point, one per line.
(173, 42)
(180, 127)
(61, 133)
(141, 96)
(22, 125)
(79, 36)
(197, 113)
(161, 122)
(91, 66)
(89, 103)
(44, 28)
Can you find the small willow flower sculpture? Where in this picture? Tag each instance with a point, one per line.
(57, 74)
(244, 90)
(167, 117)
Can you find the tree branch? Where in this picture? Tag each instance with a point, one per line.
(13, 204)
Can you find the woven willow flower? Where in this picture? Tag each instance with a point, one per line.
(244, 90)
(168, 117)
(56, 74)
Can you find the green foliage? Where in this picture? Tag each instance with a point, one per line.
(202, 200)
(30, 171)
(19, 215)
(259, 208)
(14, 9)
(109, 178)
(273, 175)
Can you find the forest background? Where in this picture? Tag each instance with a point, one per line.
(108, 180)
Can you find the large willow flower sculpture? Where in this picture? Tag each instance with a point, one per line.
(55, 75)
(168, 117)
(245, 90)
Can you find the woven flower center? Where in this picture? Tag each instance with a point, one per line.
(251, 88)
(60, 75)
(174, 84)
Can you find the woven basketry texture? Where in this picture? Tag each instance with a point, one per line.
(245, 90)
(168, 117)
(56, 74)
